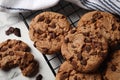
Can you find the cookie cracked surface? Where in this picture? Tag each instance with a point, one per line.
(101, 22)
(84, 51)
(47, 30)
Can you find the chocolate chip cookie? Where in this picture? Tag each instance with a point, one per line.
(101, 22)
(67, 72)
(113, 69)
(84, 51)
(47, 30)
(15, 53)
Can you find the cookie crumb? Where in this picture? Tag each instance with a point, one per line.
(39, 77)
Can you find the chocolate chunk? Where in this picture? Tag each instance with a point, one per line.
(88, 48)
(86, 34)
(64, 76)
(11, 53)
(74, 64)
(38, 31)
(114, 27)
(79, 56)
(73, 31)
(39, 77)
(47, 21)
(41, 19)
(113, 68)
(66, 40)
(27, 49)
(70, 59)
(84, 62)
(52, 35)
(17, 32)
(3, 49)
(10, 31)
(93, 20)
(63, 17)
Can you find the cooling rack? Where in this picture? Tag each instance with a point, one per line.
(73, 14)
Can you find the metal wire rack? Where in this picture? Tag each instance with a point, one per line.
(73, 14)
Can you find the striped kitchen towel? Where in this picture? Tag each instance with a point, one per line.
(112, 6)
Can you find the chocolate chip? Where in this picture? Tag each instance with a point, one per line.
(45, 50)
(93, 20)
(41, 19)
(84, 62)
(39, 77)
(79, 56)
(11, 53)
(3, 49)
(38, 31)
(66, 40)
(70, 59)
(114, 27)
(64, 76)
(74, 63)
(86, 34)
(17, 32)
(52, 35)
(47, 21)
(72, 31)
(52, 25)
(113, 68)
(97, 16)
(88, 48)
(63, 17)
(27, 49)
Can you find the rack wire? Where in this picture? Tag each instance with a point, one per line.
(73, 14)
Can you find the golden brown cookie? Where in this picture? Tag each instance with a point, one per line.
(67, 72)
(15, 53)
(103, 23)
(47, 30)
(113, 69)
(84, 51)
